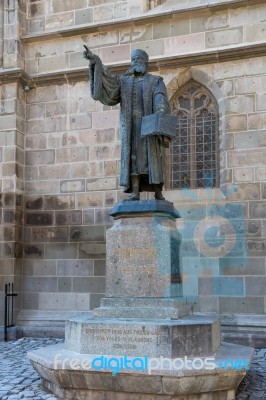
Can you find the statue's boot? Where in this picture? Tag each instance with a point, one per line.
(135, 187)
(158, 192)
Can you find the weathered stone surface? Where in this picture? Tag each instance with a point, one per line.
(47, 64)
(54, 172)
(80, 121)
(72, 186)
(99, 267)
(257, 121)
(60, 202)
(251, 157)
(58, 21)
(92, 250)
(40, 157)
(244, 191)
(260, 174)
(9, 199)
(137, 262)
(110, 198)
(81, 268)
(105, 152)
(243, 174)
(12, 216)
(49, 234)
(170, 28)
(40, 218)
(89, 285)
(221, 286)
(221, 384)
(83, 16)
(88, 217)
(61, 250)
(68, 217)
(210, 21)
(92, 233)
(255, 286)
(250, 84)
(101, 184)
(135, 34)
(257, 209)
(90, 169)
(58, 6)
(34, 203)
(140, 338)
(192, 211)
(263, 190)
(241, 104)
(40, 284)
(224, 37)
(246, 140)
(95, 300)
(41, 187)
(34, 251)
(257, 247)
(64, 284)
(39, 268)
(242, 266)
(102, 216)
(111, 168)
(85, 200)
(103, 13)
(182, 43)
(241, 304)
(71, 155)
(228, 210)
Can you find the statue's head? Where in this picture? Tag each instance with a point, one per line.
(139, 55)
(139, 62)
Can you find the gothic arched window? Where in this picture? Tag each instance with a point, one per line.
(193, 158)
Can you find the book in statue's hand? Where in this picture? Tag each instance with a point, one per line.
(159, 124)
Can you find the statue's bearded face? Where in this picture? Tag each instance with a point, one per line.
(138, 66)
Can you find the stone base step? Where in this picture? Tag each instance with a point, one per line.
(68, 376)
(173, 302)
(145, 312)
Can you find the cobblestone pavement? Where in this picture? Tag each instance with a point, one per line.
(18, 380)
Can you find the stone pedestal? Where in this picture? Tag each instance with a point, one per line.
(143, 277)
(143, 251)
(143, 315)
(192, 336)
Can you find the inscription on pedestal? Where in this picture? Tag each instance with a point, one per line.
(134, 255)
(126, 339)
(143, 270)
(137, 338)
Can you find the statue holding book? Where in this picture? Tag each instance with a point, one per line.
(146, 126)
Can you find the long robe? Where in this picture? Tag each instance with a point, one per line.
(112, 89)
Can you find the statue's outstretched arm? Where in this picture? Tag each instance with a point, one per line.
(89, 55)
(104, 85)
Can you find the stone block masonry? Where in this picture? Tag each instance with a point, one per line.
(68, 227)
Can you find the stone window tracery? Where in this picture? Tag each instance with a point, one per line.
(193, 156)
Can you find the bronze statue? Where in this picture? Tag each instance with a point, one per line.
(140, 94)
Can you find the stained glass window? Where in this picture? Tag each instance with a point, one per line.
(193, 155)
